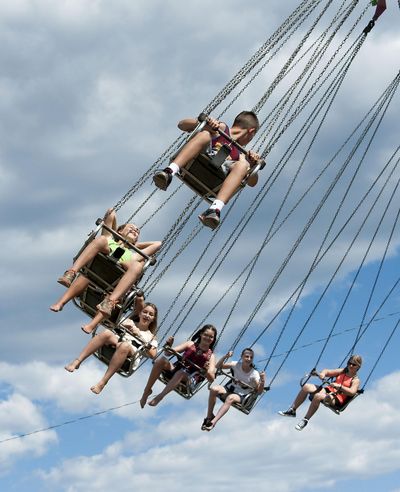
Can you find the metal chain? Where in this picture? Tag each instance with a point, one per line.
(314, 59)
(256, 58)
(257, 107)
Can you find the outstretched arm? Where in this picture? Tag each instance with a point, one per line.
(261, 383)
(110, 220)
(329, 373)
(189, 124)
(221, 364)
(149, 247)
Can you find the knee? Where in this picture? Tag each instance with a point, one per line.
(161, 363)
(125, 348)
(203, 137)
(240, 167)
(230, 399)
(308, 388)
(318, 397)
(101, 242)
(135, 266)
(107, 337)
(215, 391)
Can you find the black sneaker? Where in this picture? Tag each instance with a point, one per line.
(291, 412)
(207, 425)
(300, 425)
(163, 178)
(210, 218)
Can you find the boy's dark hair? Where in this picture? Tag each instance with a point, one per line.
(247, 119)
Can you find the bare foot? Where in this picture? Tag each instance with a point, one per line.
(97, 388)
(87, 329)
(155, 401)
(73, 365)
(57, 307)
(145, 395)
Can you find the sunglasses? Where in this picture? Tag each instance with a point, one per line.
(352, 364)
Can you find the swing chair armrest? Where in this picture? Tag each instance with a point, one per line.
(313, 373)
(150, 259)
(203, 118)
(169, 350)
(264, 389)
(238, 382)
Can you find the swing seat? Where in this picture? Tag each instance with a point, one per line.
(204, 176)
(187, 388)
(195, 380)
(132, 362)
(339, 408)
(246, 405)
(103, 271)
(93, 295)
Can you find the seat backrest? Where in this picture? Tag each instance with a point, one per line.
(203, 177)
(103, 271)
(187, 388)
(131, 363)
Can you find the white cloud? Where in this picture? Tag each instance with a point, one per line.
(19, 415)
(248, 450)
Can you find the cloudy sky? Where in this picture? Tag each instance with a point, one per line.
(91, 92)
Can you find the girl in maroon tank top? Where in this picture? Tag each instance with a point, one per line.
(197, 354)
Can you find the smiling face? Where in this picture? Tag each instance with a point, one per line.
(247, 357)
(354, 364)
(207, 337)
(148, 317)
(130, 232)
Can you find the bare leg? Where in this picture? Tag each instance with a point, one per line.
(105, 338)
(212, 399)
(225, 407)
(135, 268)
(302, 395)
(232, 181)
(98, 245)
(172, 384)
(159, 366)
(127, 280)
(72, 366)
(89, 327)
(123, 350)
(193, 148)
(315, 403)
(78, 286)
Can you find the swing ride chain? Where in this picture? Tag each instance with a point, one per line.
(171, 195)
(168, 240)
(251, 80)
(189, 239)
(317, 54)
(303, 102)
(148, 173)
(254, 60)
(286, 66)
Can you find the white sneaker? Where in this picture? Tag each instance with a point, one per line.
(300, 425)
